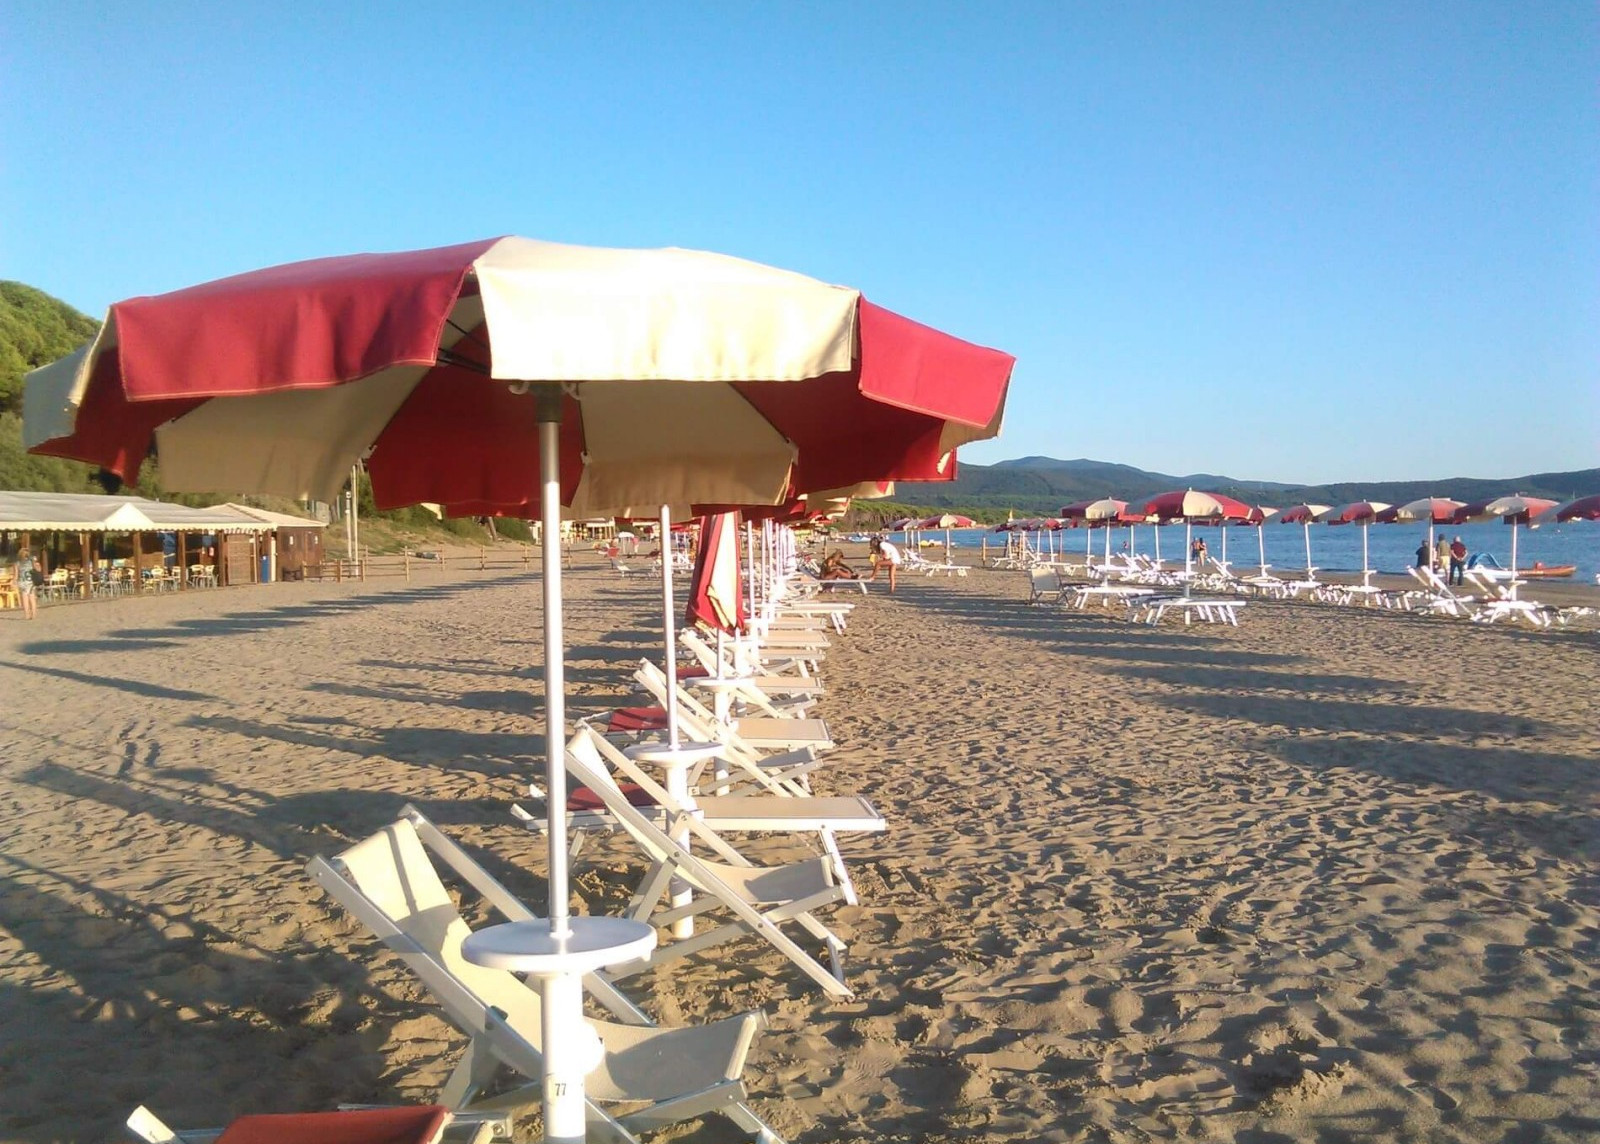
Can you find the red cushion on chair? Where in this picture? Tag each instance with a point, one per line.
(638, 719)
(361, 1126)
(694, 672)
(582, 798)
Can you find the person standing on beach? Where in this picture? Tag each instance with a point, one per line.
(27, 591)
(1441, 561)
(884, 553)
(1458, 562)
(1424, 554)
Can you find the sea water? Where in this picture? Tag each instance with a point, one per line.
(1334, 548)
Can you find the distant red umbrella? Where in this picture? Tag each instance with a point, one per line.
(1362, 513)
(1305, 515)
(1584, 508)
(1434, 510)
(1514, 510)
(1189, 506)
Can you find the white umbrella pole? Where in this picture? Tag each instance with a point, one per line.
(1306, 526)
(1224, 543)
(670, 666)
(1108, 544)
(1157, 530)
(1513, 558)
(1366, 576)
(1188, 552)
(555, 712)
(1261, 546)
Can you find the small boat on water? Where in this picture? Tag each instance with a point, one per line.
(1542, 571)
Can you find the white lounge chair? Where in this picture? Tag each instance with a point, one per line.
(757, 733)
(756, 900)
(664, 1076)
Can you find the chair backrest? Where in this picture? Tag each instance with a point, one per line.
(389, 882)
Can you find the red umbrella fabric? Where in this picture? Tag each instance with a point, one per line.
(715, 598)
(946, 520)
(1106, 508)
(1434, 510)
(1515, 509)
(1583, 508)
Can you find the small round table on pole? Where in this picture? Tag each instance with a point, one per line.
(570, 1047)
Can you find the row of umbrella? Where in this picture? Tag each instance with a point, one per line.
(1195, 507)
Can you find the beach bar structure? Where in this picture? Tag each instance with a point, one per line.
(75, 535)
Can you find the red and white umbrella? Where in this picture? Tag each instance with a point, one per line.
(1190, 505)
(1102, 513)
(1514, 510)
(513, 372)
(1362, 513)
(1305, 515)
(1434, 510)
(946, 521)
(1583, 508)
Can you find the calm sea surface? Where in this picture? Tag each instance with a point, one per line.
(1390, 547)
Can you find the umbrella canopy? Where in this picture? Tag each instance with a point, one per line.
(1189, 504)
(1515, 509)
(1584, 508)
(1434, 510)
(947, 520)
(1103, 509)
(511, 372)
(278, 380)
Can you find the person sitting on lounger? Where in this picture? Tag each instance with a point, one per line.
(834, 567)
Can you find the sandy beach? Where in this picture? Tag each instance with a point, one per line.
(1332, 875)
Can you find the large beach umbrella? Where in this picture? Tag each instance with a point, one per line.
(946, 521)
(1259, 515)
(1514, 510)
(1102, 513)
(1362, 513)
(511, 371)
(1434, 510)
(1304, 515)
(1190, 505)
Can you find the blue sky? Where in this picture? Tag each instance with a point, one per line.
(1341, 241)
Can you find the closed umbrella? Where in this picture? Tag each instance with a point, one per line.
(514, 372)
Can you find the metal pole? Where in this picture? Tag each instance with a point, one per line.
(667, 612)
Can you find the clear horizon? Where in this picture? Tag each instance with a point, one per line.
(1349, 243)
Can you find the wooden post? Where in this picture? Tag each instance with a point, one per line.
(527, 554)
(366, 555)
(183, 561)
(138, 561)
(405, 556)
(481, 564)
(86, 581)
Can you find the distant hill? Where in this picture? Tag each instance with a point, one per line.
(1041, 485)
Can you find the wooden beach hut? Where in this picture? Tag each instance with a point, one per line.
(293, 547)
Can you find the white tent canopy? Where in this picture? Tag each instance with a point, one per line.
(90, 512)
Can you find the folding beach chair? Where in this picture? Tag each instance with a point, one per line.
(664, 1075)
(757, 900)
(758, 733)
(778, 676)
(765, 813)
